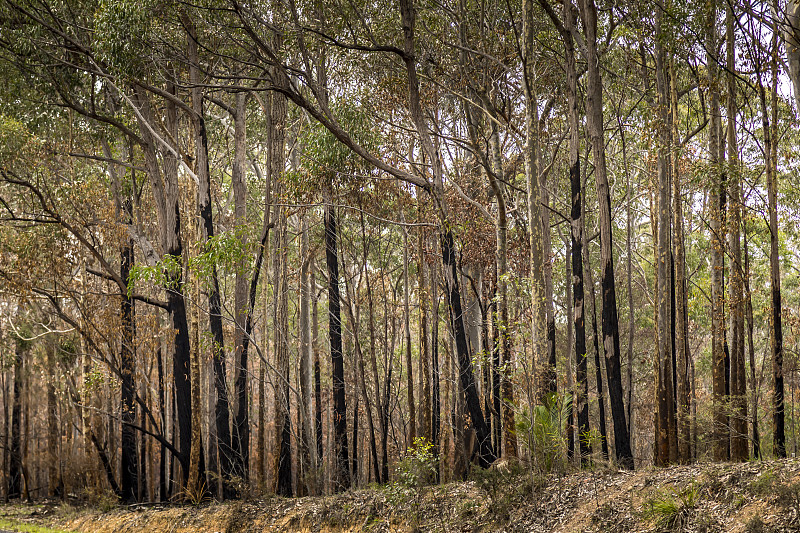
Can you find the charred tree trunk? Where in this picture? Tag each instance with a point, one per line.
(594, 121)
(341, 469)
(447, 240)
(577, 229)
(130, 458)
(15, 455)
(776, 327)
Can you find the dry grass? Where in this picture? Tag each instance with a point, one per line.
(747, 498)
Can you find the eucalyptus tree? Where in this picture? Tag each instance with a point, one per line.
(308, 92)
(594, 124)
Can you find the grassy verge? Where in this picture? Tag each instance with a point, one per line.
(22, 527)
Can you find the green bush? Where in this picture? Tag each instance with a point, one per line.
(418, 468)
(544, 433)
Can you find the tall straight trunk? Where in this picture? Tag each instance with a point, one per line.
(436, 409)
(546, 372)
(305, 356)
(276, 161)
(629, 413)
(341, 470)
(231, 461)
(738, 382)
(570, 384)
(196, 457)
(683, 356)
(206, 219)
(424, 361)
(667, 447)
(547, 262)
(55, 485)
(166, 194)
(447, 238)
(130, 459)
(756, 437)
(354, 455)
(594, 123)
(282, 449)
(596, 345)
(778, 420)
(317, 372)
(496, 179)
(412, 416)
(15, 457)
(776, 327)
(576, 236)
(162, 456)
(720, 439)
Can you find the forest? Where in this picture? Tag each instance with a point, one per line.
(295, 247)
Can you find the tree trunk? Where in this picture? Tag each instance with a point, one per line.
(738, 383)
(341, 470)
(317, 378)
(55, 484)
(776, 327)
(436, 409)
(596, 345)
(546, 378)
(667, 449)
(15, 456)
(594, 122)
(717, 201)
(576, 234)
(447, 240)
(130, 459)
(751, 352)
(305, 356)
(283, 435)
(683, 355)
(166, 195)
(424, 361)
(412, 416)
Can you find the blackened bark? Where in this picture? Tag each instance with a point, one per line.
(166, 196)
(283, 419)
(487, 454)
(595, 340)
(778, 413)
(594, 116)
(341, 470)
(15, 457)
(221, 409)
(577, 228)
(163, 493)
(130, 458)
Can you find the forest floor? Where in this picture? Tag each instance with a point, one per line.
(750, 497)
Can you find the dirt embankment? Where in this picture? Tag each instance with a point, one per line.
(749, 497)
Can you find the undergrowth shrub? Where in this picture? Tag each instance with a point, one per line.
(543, 432)
(671, 508)
(418, 468)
